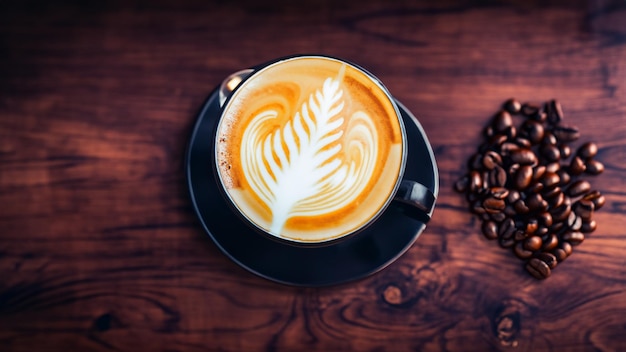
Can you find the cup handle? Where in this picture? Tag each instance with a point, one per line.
(419, 197)
(231, 82)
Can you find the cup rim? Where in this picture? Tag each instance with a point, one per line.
(257, 69)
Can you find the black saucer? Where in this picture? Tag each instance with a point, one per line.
(354, 258)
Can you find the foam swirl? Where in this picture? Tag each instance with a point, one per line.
(318, 162)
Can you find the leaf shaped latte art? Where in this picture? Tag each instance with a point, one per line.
(317, 163)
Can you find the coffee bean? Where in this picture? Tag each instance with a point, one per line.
(564, 177)
(589, 226)
(497, 140)
(513, 106)
(545, 219)
(498, 217)
(493, 204)
(520, 207)
(488, 132)
(524, 156)
(508, 147)
(542, 231)
(522, 252)
(550, 243)
(550, 180)
(491, 159)
(565, 151)
(534, 188)
(523, 177)
(501, 121)
(538, 268)
(547, 258)
(509, 211)
(561, 212)
(578, 188)
(574, 237)
(553, 167)
(584, 208)
(557, 226)
(535, 202)
(507, 228)
(574, 222)
(519, 235)
(475, 181)
(577, 166)
(532, 130)
(594, 167)
(490, 230)
(548, 138)
(557, 199)
(559, 254)
(531, 226)
(497, 176)
(596, 197)
(533, 243)
(477, 208)
(523, 142)
(587, 150)
(506, 242)
(499, 192)
(509, 132)
(551, 152)
(566, 133)
(566, 247)
(513, 196)
(538, 172)
(555, 112)
(529, 110)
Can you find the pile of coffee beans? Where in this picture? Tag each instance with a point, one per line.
(527, 185)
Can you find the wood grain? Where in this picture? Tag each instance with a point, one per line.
(99, 246)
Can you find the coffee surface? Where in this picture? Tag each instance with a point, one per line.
(309, 149)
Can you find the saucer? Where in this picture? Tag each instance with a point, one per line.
(354, 258)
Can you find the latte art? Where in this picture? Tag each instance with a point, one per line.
(317, 163)
(309, 149)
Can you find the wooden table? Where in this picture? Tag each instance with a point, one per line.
(99, 246)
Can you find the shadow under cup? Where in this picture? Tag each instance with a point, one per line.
(305, 161)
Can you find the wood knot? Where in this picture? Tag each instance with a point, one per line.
(103, 322)
(392, 295)
(507, 322)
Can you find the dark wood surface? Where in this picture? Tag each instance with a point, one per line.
(100, 249)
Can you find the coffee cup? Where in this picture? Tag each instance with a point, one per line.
(311, 149)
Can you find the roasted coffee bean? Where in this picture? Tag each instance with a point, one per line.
(577, 166)
(550, 180)
(475, 181)
(524, 156)
(542, 231)
(538, 172)
(551, 192)
(557, 226)
(497, 217)
(589, 226)
(555, 112)
(547, 258)
(594, 167)
(578, 188)
(486, 216)
(531, 226)
(564, 176)
(553, 167)
(501, 121)
(462, 184)
(529, 110)
(506, 242)
(574, 222)
(513, 196)
(567, 247)
(497, 140)
(523, 142)
(587, 150)
(535, 202)
(550, 152)
(520, 207)
(532, 130)
(507, 147)
(548, 138)
(584, 208)
(565, 151)
(510, 133)
(523, 177)
(545, 219)
(507, 228)
(534, 188)
(559, 254)
(497, 176)
(596, 197)
(499, 192)
(513, 106)
(561, 212)
(573, 237)
(491, 159)
(519, 235)
(557, 199)
(477, 208)
(533, 243)
(550, 243)
(566, 133)
(492, 204)
(509, 211)
(490, 230)
(522, 252)
(538, 268)
(488, 132)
